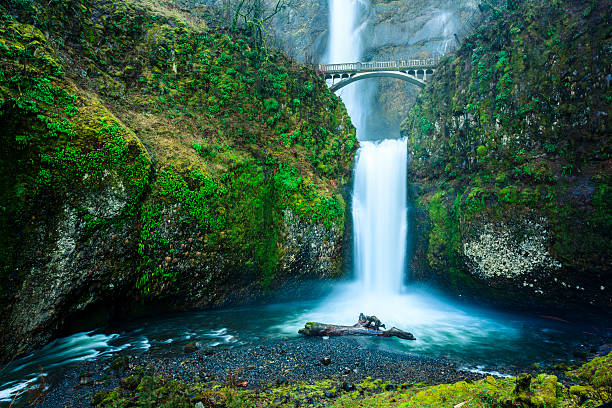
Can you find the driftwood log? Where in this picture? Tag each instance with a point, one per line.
(360, 329)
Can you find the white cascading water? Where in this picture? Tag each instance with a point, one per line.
(345, 45)
(380, 215)
(379, 199)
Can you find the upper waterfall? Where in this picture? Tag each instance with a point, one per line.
(345, 45)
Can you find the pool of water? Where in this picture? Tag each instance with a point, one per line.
(477, 338)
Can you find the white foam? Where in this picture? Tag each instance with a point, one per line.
(481, 370)
(26, 371)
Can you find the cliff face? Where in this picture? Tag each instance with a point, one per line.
(297, 27)
(511, 162)
(301, 29)
(146, 158)
(411, 29)
(392, 30)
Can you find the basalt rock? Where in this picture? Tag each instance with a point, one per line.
(149, 162)
(510, 161)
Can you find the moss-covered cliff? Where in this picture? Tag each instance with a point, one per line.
(146, 157)
(511, 159)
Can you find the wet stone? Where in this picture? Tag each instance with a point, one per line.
(347, 386)
(85, 378)
(191, 347)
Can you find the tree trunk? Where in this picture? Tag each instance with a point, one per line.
(322, 329)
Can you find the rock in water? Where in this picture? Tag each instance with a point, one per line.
(191, 347)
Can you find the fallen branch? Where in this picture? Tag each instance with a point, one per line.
(359, 329)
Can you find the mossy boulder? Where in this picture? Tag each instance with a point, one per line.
(511, 159)
(148, 160)
(597, 372)
(583, 393)
(541, 392)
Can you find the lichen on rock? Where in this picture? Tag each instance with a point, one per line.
(495, 251)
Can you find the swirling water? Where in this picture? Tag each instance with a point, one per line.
(476, 338)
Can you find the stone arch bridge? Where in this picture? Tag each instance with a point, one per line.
(415, 71)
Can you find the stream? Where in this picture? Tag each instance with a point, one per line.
(477, 339)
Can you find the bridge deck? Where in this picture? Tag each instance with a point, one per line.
(398, 65)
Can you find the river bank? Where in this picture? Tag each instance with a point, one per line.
(293, 372)
(260, 345)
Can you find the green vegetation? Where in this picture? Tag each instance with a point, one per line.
(542, 391)
(521, 133)
(203, 138)
(55, 140)
(597, 372)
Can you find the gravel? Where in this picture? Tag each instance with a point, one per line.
(281, 362)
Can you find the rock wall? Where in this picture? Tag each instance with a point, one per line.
(412, 29)
(511, 159)
(147, 160)
(393, 30)
(300, 29)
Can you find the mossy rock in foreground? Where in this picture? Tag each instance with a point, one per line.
(543, 391)
(597, 372)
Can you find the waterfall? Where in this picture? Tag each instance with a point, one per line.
(380, 227)
(346, 24)
(380, 215)
(379, 196)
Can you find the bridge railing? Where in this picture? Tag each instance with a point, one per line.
(396, 65)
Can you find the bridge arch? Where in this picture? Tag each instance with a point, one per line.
(414, 71)
(409, 76)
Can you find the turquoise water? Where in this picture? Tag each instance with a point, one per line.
(478, 339)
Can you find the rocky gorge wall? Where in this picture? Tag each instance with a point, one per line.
(509, 154)
(149, 159)
(510, 150)
(411, 29)
(391, 30)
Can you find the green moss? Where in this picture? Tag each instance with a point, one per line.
(130, 382)
(544, 391)
(235, 135)
(597, 372)
(518, 138)
(57, 140)
(584, 394)
(482, 151)
(508, 194)
(439, 237)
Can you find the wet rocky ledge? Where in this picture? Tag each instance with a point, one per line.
(295, 372)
